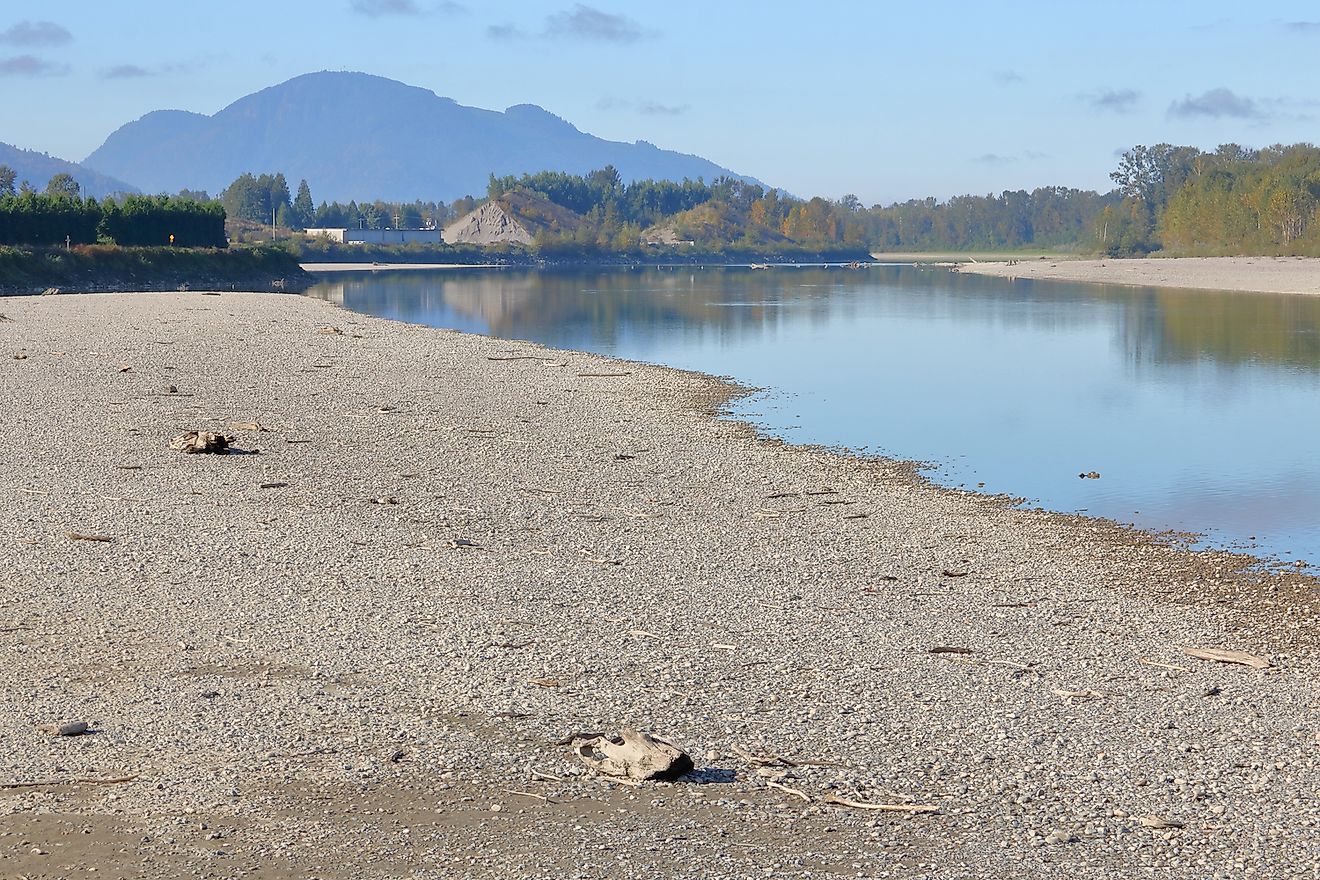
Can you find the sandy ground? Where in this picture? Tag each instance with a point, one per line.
(1253, 274)
(349, 649)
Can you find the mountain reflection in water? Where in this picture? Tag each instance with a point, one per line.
(1199, 409)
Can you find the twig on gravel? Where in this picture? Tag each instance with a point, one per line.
(34, 491)
(603, 375)
(619, 779)
(79, 536)
(888, 808)
(766, 760)
(529, 794)
(796, 792)
(1220, 655)
(548, 777)
(642, 632)
(588, 556)
(117, 780)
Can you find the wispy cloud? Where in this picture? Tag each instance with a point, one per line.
(1112, 100)
(647, 108)
(1217, 104)
(30, 65)
(36, 33)
(378, 8)
(588, 23)
(1305, 27)
(1009, 158)
(137, 71)
(506, 31)
(127, 71)
(653, 108)
(382, 8)
(1007, 77)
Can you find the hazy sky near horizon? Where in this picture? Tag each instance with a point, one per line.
(882, 99)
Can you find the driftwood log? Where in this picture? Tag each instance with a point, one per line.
(200, 442)
(632, 755)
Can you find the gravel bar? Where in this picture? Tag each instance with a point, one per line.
(348, 647)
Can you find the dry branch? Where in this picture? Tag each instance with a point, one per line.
(793, 791)
(118, 780)
(887, 808)
(1220, 655)
(79, 536)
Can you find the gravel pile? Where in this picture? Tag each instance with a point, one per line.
(347, 647)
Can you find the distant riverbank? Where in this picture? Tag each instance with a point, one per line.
(90, 269)
(1247, 274)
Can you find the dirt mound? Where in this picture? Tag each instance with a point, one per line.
(513, 218)
(488, 224)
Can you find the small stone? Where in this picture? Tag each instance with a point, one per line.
(65, 728)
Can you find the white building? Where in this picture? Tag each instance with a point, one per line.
(379, 236)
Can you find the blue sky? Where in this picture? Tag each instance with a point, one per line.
(885, 100)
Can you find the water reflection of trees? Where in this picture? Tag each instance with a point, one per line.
(600, 308)
(566, 308)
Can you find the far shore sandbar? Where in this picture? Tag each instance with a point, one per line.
(1245, 274)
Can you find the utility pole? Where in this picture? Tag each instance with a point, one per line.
(272, 223)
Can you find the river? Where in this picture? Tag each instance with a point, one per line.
(1199, 411)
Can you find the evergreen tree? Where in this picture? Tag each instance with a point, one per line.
(304, 210)
(7, 177)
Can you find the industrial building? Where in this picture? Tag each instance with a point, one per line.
(379, 236)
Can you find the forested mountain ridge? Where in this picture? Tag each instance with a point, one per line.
(37, 168)
(358, 136)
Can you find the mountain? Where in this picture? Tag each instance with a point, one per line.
(357, 136)
(38, 168)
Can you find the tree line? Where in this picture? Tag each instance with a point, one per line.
(1232, 200)
(60, 216)
(266, 199)
(1178, 199)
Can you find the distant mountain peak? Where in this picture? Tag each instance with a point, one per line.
(355, 135)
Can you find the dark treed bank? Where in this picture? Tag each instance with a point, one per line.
(92, 268)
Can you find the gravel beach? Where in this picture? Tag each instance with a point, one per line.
(1247, 274)
(348, 648)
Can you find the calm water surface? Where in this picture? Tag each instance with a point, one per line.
(1200, 410)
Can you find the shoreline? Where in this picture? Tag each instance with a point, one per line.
(633, 561)
(1285, 275)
